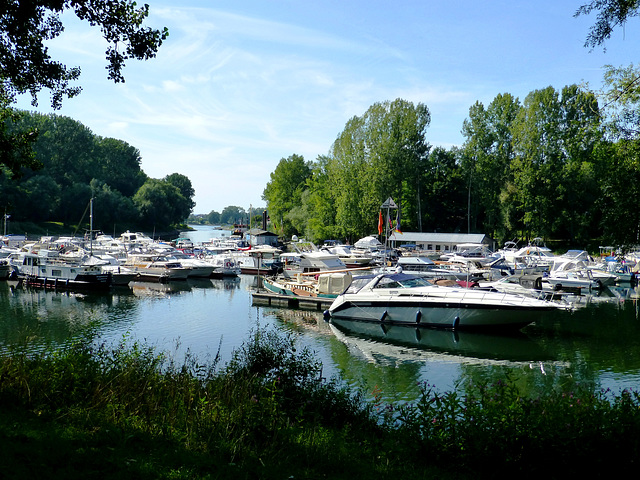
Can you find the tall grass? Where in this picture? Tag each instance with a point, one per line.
(127, 411)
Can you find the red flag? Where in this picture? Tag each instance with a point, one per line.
(380, 223)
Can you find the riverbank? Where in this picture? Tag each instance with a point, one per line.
(126, 411)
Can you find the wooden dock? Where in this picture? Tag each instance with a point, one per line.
(291, 301)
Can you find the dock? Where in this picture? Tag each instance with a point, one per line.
(291, 301)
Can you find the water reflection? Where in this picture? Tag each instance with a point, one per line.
(31, 319)
(598, 344)
(374, 339)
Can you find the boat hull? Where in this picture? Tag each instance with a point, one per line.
(80, 282)
(438, 313)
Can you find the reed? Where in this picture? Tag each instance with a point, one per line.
(128, 411)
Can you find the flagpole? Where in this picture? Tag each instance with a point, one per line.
(388, 204)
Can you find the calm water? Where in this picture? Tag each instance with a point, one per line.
(597, 345)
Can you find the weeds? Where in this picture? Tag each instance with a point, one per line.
(269, 413)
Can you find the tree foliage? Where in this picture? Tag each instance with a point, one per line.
(610, 14)
(75, 166)
(540, 168)
(25, 26)
(284, 190)
(378, 155)
(27, 68)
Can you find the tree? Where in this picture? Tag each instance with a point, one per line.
(213, 218)
(232, 215)
(621, 101)
(111, 208)
(118, 165)
(553, 175)
(25, 64)
(41, 198)
(284, 190)
(620, 190)
(376, 156)
(26, 67)
(183, 184)
(320, 216)
(15, 146)
(444, 187)
(159, 204)
(487, 155)
(611, 14)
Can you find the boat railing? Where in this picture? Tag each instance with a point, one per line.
(471, 296)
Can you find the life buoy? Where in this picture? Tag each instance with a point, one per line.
(201, 256)
(227, 264)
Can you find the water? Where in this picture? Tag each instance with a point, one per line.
(598, 345)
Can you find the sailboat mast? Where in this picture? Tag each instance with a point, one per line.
(91, 226)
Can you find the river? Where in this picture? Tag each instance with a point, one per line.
(597, 345)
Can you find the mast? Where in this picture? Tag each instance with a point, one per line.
(91, 227)
(389, 204)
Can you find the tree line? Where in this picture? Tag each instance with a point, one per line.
(230, 215)
(71, 166)
(561, 164)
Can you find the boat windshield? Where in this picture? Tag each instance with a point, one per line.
(402, 281)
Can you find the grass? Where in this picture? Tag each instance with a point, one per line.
(122, 411)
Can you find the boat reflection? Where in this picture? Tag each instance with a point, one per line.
(158, 289)
(226, 283)
(374, 339)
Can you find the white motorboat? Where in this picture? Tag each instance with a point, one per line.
(258, 260)
(573, 270)
(404, 299)
(120, 275)
(39, 270)
(310, 262)
(470, 252)
(348, 256)
(154, 268)
(224, 265)
(197, 267)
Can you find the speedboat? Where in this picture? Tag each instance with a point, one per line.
(404, 299)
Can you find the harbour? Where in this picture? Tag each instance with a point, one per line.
(598, 344)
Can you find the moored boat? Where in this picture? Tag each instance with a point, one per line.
(41, 271)
(410, 300)
(327, 285)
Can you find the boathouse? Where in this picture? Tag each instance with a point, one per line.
(438, 242)
(257, 236)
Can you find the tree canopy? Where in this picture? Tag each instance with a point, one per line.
(27, 68)
(610, 14)
(76, 165)
(25, 64)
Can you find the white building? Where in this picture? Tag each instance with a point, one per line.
(439, 242)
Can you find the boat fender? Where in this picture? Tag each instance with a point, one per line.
(418, 316)
(456, 322)
(326, 315)
(384, 315)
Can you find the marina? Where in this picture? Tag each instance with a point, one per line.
(596, 344)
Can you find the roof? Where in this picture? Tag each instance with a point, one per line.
(258, 232)
(457, 238)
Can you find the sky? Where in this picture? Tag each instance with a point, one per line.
(241, 84)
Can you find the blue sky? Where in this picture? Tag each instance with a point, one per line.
(239, 85)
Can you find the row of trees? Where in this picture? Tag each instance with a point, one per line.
(230, 215)
(72, 165)
(556, 165)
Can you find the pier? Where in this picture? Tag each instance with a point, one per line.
(291, 301)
